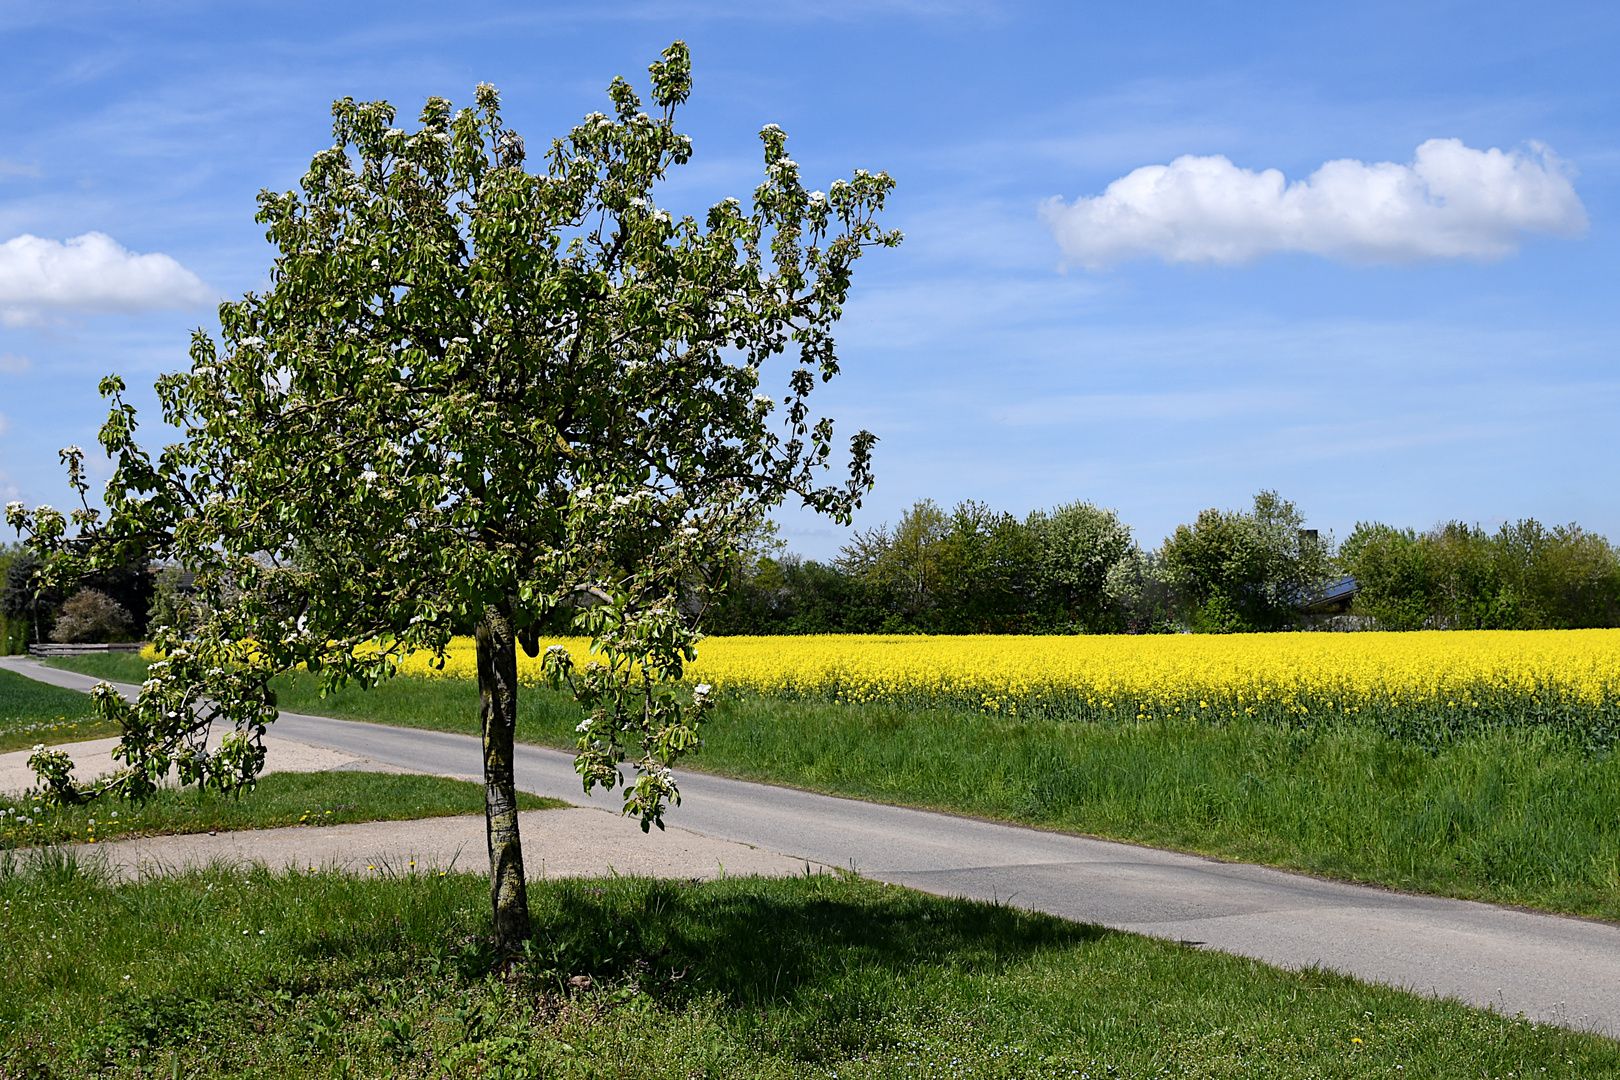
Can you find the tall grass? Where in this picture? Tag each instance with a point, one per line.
(255, 974)
(1515, 816)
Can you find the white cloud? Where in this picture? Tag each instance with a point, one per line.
(1450, 202)
(89, 273)
(12, 364)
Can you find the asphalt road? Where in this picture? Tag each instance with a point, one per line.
(1551, 968)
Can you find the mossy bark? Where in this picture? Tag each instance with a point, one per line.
(497, 714)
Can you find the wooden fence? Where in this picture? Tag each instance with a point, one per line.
(51, 648)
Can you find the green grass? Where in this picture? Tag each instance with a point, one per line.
(1517, 817)
(315, 799)
(1521, 816)
(257, 974)
(32, 713)
(114, 667)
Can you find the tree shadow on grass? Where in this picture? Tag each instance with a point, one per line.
(814, 968)
(759, 942)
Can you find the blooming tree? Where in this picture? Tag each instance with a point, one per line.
(476, 393)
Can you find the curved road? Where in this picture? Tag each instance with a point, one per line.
(1553, 969)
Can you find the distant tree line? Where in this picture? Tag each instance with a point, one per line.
(1077, 569)
(1459, 577)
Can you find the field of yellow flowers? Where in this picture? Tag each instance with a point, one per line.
(1453, 678)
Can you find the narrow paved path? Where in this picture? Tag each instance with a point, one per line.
(573, 842)
(1553, 969)
(93, 758)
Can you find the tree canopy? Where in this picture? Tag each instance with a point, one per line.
(1247, 571)
(476, 393)
(1457, 576)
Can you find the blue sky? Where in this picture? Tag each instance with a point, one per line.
(1371, 342)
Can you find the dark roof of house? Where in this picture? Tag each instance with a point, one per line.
(1340, 592)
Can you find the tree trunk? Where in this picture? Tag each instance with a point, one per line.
(497, 714)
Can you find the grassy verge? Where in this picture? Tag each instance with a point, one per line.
(314, 799)
(271, 975)
(114, 667)
(32, 713)
(1522, 816)
(1514, 817)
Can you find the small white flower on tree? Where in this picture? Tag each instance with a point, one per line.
(479, 394)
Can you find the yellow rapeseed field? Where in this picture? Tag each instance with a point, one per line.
(1149, 674)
